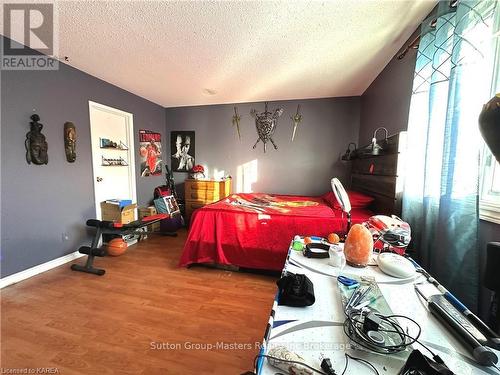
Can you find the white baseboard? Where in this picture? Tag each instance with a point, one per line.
(30, 272)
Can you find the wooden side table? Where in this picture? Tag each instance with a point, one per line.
(199, 193)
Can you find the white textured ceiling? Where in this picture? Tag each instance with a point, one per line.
(172, 53)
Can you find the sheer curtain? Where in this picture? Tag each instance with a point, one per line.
(440, 199)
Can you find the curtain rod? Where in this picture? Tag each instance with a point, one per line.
(413, 45)
(452, 5)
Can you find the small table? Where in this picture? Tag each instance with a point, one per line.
(317, 330)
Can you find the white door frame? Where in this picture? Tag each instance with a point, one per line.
(129, 120)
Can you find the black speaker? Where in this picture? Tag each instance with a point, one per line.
(492, 274)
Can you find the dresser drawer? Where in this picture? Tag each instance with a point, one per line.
(201, 185)
(191, 206)
(199, 193)
(205, 195)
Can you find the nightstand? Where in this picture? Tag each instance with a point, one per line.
(199, 193)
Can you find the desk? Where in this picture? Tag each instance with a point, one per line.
(318, 329)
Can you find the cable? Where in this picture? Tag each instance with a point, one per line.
(495, 366)
(346, 363)
(427, 348)
(286, 361)
(347, 356)
(355, 330)
(361, 327)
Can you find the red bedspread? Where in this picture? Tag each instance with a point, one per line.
(255, 230)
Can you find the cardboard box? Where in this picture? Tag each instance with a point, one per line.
(149, 211)
(112, 211)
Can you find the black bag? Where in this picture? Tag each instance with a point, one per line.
(295, 290)
(418, 364)
(162, 191)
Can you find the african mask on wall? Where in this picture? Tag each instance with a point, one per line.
(266, 123)
(70, 141)
(36, 145)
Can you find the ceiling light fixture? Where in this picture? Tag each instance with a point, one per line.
(209, 92)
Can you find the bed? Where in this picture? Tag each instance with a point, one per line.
(254, 230)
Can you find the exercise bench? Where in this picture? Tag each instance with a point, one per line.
(110, 227)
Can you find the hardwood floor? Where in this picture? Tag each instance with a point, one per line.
(120, 323)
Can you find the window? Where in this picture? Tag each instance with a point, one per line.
(489, 202)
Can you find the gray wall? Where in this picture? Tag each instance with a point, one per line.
(302, 167)
(386, 102)
(39, 203)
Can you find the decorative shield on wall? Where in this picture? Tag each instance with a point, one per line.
(266, 123)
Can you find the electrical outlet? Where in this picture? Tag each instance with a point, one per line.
(65, 237)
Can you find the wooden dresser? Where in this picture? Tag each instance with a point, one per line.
(198, 193)
(382, 176)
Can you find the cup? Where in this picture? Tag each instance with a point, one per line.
(337, 257)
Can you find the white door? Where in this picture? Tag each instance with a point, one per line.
(112, 137)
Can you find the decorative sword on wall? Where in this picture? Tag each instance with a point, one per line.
(296, 121)
(236, 122)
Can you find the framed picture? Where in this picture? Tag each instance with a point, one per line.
(172, 205)
(166, 205)
(150, 151)
(182, 149)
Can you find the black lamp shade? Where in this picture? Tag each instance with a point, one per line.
(492, 274)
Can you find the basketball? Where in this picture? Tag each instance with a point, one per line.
(116, 247)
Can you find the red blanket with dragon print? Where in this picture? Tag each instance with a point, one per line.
(254, 230)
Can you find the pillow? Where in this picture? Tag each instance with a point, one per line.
(330, 199)
(358, 199)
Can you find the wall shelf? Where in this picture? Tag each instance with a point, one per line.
(108, 144)
(109, 162)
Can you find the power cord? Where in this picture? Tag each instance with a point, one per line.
(355, 328)
(347, 356)
(362, 326)
(326, 364)
(288, 361)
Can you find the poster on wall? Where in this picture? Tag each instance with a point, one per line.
(150, 151)
(182, 147)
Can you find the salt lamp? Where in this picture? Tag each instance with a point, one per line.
(358, 246)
